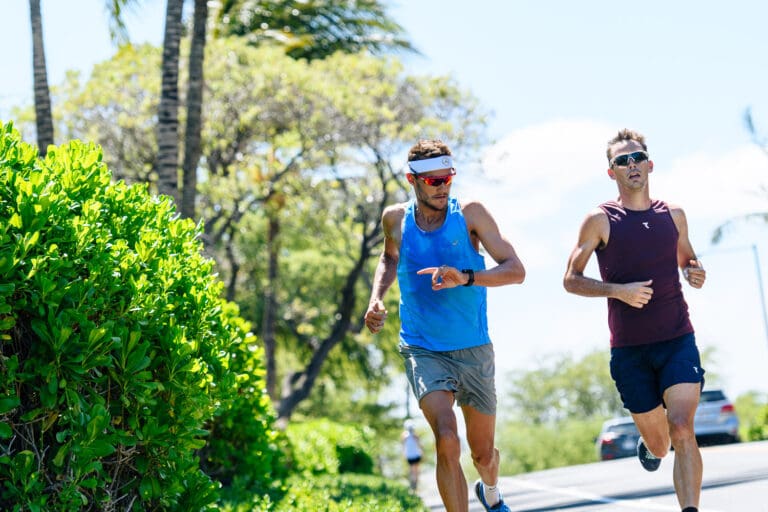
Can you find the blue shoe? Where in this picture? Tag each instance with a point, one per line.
(649, 461)
(499, 507)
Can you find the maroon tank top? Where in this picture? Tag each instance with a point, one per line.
(642, 245)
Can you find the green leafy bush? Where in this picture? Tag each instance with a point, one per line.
(117, 354)
(337, 493)
(324, 447)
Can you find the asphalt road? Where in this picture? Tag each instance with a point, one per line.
(735, 480)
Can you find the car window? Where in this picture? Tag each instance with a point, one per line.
(712, 396)
(627, 428)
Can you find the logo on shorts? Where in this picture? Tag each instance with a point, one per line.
(696, 369)
(646, 225)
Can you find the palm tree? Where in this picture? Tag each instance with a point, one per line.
(168, 111)
(192, 148)
(43, 113)
(314, 29)
(43, 117)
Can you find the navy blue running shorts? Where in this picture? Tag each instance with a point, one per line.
(643, 372)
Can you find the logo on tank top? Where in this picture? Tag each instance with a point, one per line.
(646, 225)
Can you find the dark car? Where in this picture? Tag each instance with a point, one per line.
(715, 423)
(617, 439)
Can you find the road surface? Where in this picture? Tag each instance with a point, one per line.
(735, 479)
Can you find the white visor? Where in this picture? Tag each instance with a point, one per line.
(430, 164)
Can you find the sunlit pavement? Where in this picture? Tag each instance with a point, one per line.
(735, 478)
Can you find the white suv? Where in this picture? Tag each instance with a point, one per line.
(716, 421)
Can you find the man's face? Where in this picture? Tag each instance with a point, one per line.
(433, 187)
(630, 164)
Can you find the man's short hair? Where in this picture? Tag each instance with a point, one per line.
(626, 134)
(428, 148)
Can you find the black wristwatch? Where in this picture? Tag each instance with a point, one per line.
(471, 274)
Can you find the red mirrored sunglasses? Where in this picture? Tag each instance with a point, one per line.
(436, 181)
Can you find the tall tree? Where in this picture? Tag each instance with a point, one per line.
(43, 111)
(321, 27)
(168, 111)
(43, 117)
(195, 88)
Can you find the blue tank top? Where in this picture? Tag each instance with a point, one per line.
(445, 319)
(642, 245)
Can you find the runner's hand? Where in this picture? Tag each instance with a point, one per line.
(375, 316)
(695, 274)
(636, 294)
(444, 277)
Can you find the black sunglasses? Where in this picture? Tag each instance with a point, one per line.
(637, 156)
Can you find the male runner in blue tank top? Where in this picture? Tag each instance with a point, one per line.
(640, 244)
(431, 245)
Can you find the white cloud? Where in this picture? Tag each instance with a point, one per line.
(534, 170)
(717, 186)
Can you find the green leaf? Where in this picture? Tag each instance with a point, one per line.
(89, 483)
(101, 449)
(8, 403)
(58, 460)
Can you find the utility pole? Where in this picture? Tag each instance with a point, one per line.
(760, 288)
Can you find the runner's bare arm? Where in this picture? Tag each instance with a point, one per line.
(594, 233)
(386, 270)
(693, 270)
(484, 230)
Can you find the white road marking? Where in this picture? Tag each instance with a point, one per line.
(643, 504)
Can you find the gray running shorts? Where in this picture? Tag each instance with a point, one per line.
(469, 373)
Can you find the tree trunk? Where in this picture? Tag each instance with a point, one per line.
(270, 307)
(194, 111)
(43, 116)
(168, 112)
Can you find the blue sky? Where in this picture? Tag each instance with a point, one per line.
(561, 77)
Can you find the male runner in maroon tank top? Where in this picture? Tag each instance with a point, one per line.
(640, 243)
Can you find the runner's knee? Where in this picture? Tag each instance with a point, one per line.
(680, 429)
(447, 444)
(485, 458)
